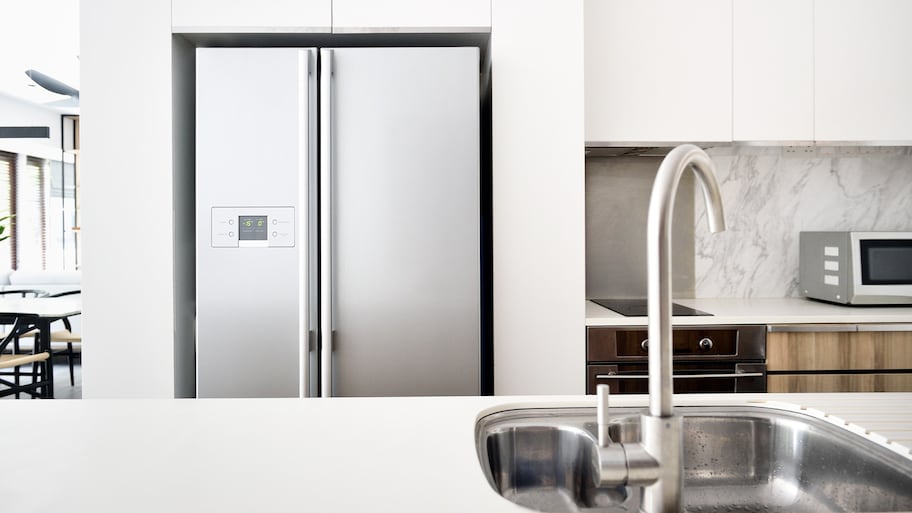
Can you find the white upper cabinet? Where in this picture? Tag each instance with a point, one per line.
(658, 71)
(863, 71)
(773, 70)
(411, 16)
(324, 16)
(240, 16)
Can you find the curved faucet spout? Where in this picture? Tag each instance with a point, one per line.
(658, 265)
(658, 460)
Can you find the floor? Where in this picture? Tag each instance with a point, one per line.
(62, 388)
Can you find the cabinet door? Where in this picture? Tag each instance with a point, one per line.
(658, 71)
(824, 383)
(863, 75)
(411, 15)
(839, 351)
(251, 16)
(773, 70)
(879, 361)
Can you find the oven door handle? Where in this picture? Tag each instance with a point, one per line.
(683, 376)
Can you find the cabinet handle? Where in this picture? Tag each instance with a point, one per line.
(808, 328)
(705, 344)
(885, 327)
(835, 328)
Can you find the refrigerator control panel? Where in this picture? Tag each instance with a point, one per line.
(253, 227)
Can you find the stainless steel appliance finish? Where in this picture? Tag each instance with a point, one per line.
(706, 359)
(405, 246)
(617, 205)
(661, 428)
(378, 292)
(735, 459)
(856, 268)
(253, 152)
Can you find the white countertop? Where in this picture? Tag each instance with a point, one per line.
(761, 311)
(243, 455)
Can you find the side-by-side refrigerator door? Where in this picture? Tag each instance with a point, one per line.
(255, 134)
(400, 216)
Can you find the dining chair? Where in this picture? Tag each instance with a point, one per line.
(14, 347)
(63, 341)
(72, 341)
(41, 373)
(24, 293)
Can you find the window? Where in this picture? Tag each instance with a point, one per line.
(31, 216)
(24, 194)
(7, 179)
(61, 216)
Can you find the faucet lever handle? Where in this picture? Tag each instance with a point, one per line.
(603, 413)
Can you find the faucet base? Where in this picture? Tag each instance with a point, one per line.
(662, 438)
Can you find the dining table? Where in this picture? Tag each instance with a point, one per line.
(48, 310)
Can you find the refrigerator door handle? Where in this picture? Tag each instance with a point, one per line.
(326, 256)
(306, 81)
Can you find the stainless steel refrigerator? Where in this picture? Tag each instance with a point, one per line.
(338, 222)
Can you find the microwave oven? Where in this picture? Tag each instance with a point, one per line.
(856, 268)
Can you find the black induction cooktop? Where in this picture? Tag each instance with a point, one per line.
(637, 307)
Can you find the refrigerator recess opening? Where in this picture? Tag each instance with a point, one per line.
(342, 218)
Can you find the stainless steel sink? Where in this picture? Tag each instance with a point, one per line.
(735, 460)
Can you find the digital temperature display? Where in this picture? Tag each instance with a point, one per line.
(252, 227)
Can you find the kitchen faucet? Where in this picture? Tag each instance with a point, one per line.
(657, 462)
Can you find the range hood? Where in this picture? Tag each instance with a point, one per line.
(642, 148)
(627, 151)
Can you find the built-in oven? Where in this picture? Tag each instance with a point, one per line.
(706, 359)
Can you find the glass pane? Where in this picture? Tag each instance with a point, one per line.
(61, 240)
(7, 163)
(30, 216)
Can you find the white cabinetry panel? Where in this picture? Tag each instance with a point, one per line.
(658, 70)
(411, 15)
(773, 70)
(538, 195)
(863, 70)
(242, 16)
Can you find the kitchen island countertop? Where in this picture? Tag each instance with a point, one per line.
(762, 311)
(357, 454)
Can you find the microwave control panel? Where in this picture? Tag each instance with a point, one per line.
(253, 227)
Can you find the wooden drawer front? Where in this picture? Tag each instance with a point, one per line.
(839, 350)
(840, 383)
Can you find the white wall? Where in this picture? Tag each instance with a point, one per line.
(538, 196)
(127, 225)
(15, 112)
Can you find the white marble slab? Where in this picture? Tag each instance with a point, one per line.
(771, 194)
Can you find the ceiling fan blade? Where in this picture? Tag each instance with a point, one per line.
(52, 84)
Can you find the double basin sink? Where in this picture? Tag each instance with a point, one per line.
(736, 459)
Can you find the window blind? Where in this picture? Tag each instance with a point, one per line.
(31, 243)
(7, 206)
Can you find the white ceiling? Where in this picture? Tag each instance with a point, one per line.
(42, 35)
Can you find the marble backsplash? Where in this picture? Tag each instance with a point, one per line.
(771, 194)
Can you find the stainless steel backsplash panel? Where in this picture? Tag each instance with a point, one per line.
(617, 203)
